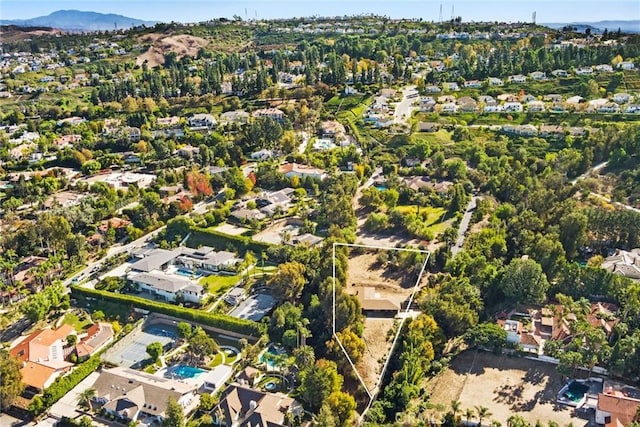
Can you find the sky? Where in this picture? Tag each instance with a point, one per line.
(547, 11)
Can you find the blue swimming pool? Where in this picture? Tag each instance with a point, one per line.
(576, 391)
(187, 273)
(184, 371)
(266, 359)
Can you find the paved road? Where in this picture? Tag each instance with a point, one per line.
(405, 107)
(304, 136)
(464, 225)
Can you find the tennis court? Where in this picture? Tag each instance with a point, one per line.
(133, 348)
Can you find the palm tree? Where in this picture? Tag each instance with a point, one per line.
(455, 408)
(85, 398)
(483, 412)
(469, 414)
(496, 423)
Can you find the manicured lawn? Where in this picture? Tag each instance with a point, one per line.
(218, 284)
(436, 217)
(79, 324)
(217, 360)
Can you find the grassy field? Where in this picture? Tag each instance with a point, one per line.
(437, 220)
(218, 284)
(79, 323)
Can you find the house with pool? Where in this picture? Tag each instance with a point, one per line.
(172, 275)
(136, 396)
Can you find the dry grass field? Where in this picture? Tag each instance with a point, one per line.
(505, 385)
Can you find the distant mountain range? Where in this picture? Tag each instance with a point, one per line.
(600, 26)
(76, 20)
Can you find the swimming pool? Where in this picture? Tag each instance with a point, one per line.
(183, 372)
(576, 391)
(264, 358)
(187, 273)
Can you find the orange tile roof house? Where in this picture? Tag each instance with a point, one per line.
(43, 356)
(99, 335)
(295, 169)
(618, 405)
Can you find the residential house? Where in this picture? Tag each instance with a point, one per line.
(249, 376)
(512, 107)
(426, 104)
(67, 141)
(372, 302)
(450, 86)
(237, 116)
(200, 122)
(538, 75)
(604, 68)
(263, 154)
(302, 171)
(449, 107)
(609, 107)
(428, 126)
(560, 73)
(167, 122)
(43, 356)
(517, 78)
(520, 130)
(432, 89)
(494, 81)
(627, 65)
(526, 98)
(467, 104)
(493, 109)
(118, 224)
(389, 93)
(621, 98)
(332, 129)
(242, 406)
(535, 106)
(245, 215)
(135, 396)
(473, 84)
(584, 71)
(618, 405)
(632, 109)
(552, 97)
(624, 263)
(98, 336)
(574, 100)
(517, 335)
(551, 131)
(188, 151)
(167, 288)
(272, 113)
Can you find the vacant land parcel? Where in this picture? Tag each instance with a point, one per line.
(506, 385)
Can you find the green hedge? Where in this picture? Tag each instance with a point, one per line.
(62, 385)
(220, 321)
(218, 240)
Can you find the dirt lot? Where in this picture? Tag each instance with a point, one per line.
(505, 385)
(182, 44)
(364, 270)
(376, 351)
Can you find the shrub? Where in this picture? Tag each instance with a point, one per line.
(220, 321)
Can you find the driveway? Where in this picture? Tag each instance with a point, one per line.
(464, 225)
(405, 107)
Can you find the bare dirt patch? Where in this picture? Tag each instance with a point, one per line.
(161, 44)
(378, 344)
(505, 385)
(365, 270)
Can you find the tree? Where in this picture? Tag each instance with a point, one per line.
(469, 413)
(488, 334)
(174, 415)
(342, 406)
(325, 417)
(155, 351)
(483, 412)
(317, 382)
(524, 281)
(201, 344)
(288, 281)
(85, 397)
(184, 330)
(11, 385)
(72, 340)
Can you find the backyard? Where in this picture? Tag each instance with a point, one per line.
(505, 385)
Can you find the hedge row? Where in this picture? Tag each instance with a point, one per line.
(62, 385)
(220, 321)
(216, 239)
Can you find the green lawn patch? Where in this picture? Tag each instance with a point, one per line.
(217, 284)
(217, 360)
(79, 323)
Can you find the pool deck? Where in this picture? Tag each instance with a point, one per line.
(595, 387)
